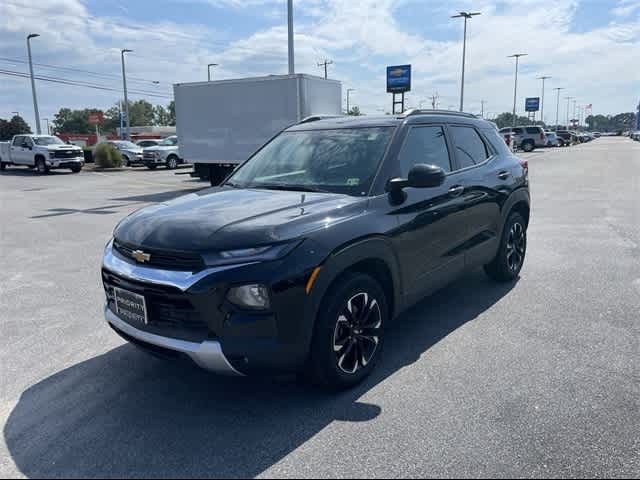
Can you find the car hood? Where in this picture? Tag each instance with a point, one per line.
(228, 219)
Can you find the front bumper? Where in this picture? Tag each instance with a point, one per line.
(190, 314)
(207, 354)
(65, 162)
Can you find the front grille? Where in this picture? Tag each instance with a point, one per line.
(169, 312)
(165, 259)
(66, 154)
(149, 156)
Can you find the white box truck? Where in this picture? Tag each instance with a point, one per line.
(221, 124)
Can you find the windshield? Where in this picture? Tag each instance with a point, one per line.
(130, 145)
(47, 141)
(169, 142)
(338, 161)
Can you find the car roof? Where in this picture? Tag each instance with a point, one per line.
(411, 118)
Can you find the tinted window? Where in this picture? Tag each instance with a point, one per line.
(518, 131)
(533, 130)
(470, 149)
(505, 130)
(424, 145)
(17, 141)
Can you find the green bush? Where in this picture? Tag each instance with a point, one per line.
(107, 156)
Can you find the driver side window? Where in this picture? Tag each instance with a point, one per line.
(426, 145)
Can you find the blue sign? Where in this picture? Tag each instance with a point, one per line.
(532, 104)
(399, 79)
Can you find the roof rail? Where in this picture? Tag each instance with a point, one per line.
(417, 111)
(315, 118)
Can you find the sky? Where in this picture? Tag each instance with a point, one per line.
(589, 47)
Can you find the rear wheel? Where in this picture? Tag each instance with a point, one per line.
(41, 166)
(507, 264)
(349, 332)
(76, 169)
(126, 161)
(3, 166)
(152, 166)
(528, 146)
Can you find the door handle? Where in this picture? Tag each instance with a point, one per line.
(456, 191)
(504, 175)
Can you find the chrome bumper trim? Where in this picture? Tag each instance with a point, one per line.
(118, 265)
(207, 355)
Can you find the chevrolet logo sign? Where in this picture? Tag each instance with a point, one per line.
(140, 256)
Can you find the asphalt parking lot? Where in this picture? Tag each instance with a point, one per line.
(535, 379)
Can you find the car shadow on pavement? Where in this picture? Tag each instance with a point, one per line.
(124, 414)
(161, 196)
(27, 172)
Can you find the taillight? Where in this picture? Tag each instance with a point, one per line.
(542, 137)
(507, 139)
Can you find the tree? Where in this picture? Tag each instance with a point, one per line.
(15, 126)
(141, 113)
(74, 121)
(505, 120)
(172, 113)
(161, 116)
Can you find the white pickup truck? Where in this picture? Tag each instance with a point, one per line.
(42, 152)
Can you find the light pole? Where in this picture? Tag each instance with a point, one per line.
(292, 66)
(33, 82)
(126, 99)
(47, 122)
(349, 90)
(515, 89)
(543, 78)
(209, 70)
(559, 89)
(575, 102)
(568, 101)
(466, 16)
(325, 64)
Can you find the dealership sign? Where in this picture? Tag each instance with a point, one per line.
(399, 79)
(96, 118)
(532, 104)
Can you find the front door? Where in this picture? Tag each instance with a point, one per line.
(432, 226)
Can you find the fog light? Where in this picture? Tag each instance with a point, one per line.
(250, 296)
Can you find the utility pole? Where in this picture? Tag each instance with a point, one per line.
(33, 83)
(349, 90)
(559, 89)
(515, 89)
(574, 111)
(466, 16)
(325, 64)
(543, 78)
(482, 102)
(47, 122)
(568, 101)
(209, 70)
(434, 101)
(292, 67)
(126, 99)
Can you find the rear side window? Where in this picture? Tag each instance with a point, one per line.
(518, 131)
(424, 145)
(470, 149)
(496, 141)
(533, 130)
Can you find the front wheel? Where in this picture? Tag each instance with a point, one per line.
(76, 169)
(172, 163)
(508, 262)
(126, 161)
(349, 332)
(528, 146)
(3, 166)
(151, 166)
(41, 166)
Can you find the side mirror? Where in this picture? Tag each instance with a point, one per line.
(25, 145)
(420, 176)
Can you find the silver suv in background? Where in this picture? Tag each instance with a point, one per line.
(166, 153)
(526, 138)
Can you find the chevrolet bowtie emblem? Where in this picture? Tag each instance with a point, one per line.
(140, 256)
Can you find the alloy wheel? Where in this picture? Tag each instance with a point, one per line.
(357, 333)
(516, 246)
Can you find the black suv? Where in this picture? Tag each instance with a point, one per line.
(304, 255)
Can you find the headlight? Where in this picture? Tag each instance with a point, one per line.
(256, 254)
(250, 296)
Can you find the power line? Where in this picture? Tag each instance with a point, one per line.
(69, 82)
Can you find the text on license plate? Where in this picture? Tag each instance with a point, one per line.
(130, 306)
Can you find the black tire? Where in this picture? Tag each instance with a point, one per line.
(152, 166)
(507, 264)
(528, 146)
(361, 335)
(172, 162)
(77, 169)
(3, 166)
(41, 166)
(126, 161)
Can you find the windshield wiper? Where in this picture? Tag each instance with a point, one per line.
(291, 188)
(232, 185)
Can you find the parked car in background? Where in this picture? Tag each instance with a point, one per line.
(166, 153)
(131, 153)
(148, 143)
(526, 138)
(42, 152)
(552, 139)
(597, 134)
(566, 138)
(635, 135)
(310, 249)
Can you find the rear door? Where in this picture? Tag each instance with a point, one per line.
(431, 220)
